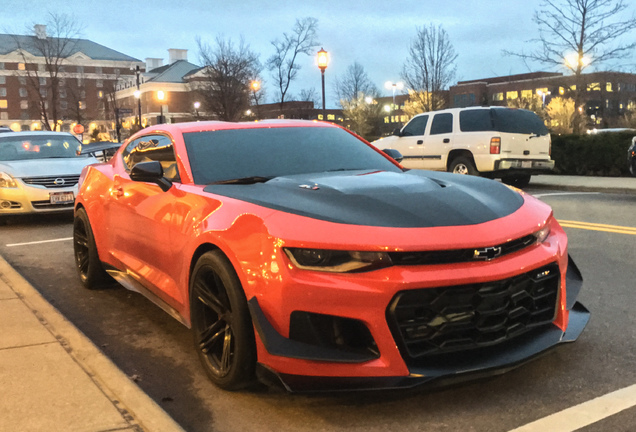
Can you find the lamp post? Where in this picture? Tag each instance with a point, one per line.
(389, 85)
(256, 86)
(323, 61)
(160, 97)
(197, 105)
(543, 95)
(138, 96)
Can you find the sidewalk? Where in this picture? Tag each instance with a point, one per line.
(585, 183)
(53, 378)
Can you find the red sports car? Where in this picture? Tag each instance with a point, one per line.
(299, 253)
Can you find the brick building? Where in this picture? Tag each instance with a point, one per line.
(606, 95)
(81, 92)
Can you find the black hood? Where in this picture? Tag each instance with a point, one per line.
(413, 199)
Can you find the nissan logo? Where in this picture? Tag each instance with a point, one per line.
(487, 254)
(59, 182)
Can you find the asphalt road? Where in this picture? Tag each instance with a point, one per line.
(156, 351)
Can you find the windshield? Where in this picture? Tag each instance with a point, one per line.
(43, 146)
(223, 155)
(502, 120)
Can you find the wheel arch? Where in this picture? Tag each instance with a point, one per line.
(454, 154)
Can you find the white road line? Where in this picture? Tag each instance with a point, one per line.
(584, 414)
(39, 242)
(565, 193)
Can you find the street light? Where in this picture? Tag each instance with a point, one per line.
(543, 94)
(197, 105)
(256, 86)
(389, 85)
(160, 97)
(138, 96)
(323, 61)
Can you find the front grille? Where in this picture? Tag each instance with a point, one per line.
(447, 319)
(457, 255)
(53, 182)
(45, 205)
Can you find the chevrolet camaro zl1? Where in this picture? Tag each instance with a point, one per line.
(297, 252)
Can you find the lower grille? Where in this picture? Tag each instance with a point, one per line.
(53, 182)
(442, 320)
(44, 205)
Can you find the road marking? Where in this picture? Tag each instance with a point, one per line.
(39, 242)
(564, 193)
(598, 227)
(584, 414)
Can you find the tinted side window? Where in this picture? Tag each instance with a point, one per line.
(415, 127)
(153, 148)
(442, 123)
(475, 120)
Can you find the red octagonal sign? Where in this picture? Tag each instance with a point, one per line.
(78, 129)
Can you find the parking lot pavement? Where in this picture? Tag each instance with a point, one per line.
(54, 378)
(585, 183)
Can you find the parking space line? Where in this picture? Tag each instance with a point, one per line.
(564, 193)
(598, 227)
(584, 414)
(39, 242)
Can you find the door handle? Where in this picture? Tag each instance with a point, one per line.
(446, 140)
(420, 141)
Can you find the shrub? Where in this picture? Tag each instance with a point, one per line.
(603, 154)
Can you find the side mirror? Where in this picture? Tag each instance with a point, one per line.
(151, 172)
(396, 132)
(394, 154)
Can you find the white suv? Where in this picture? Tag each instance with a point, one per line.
(511, 144)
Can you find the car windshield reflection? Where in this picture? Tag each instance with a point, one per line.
(42, 147)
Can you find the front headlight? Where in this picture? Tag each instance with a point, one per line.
(544, 232)
(6, 181)
(337, 261)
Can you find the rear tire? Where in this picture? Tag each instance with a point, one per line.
(221, 323)
(519, 181)
(632, 167)
(463, 165)
(89, 267)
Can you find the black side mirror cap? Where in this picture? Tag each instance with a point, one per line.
(394, 154)
(151, 172)
(397, 132)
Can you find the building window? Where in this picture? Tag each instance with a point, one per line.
(512, 95)
(61, 69)
(573, 87)
(80, 69)
(3, 92)
(62, 82)
(42, 92)
(497, 96)
(4, 116)
(24, 115)
(62, 93)
(21, 66)
(23, 92)
(561, 91)
(24, 104)
(608, 87)
(3, 79)
(81, 105)
(83, 94)
(100, 94)
(1, 66)
(3, 103)
(80, 82)
(594, 86)
(542, 91)
(64, 105)
(99, 83)
(98, 70)
(42, 81)
(117, 71)
(526, 94)
(22, 80)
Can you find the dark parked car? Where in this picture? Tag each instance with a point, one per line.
(631, 157)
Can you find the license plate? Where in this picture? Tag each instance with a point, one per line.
(526, 164)
(62, 197)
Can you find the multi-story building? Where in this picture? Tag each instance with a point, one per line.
(78, 88)
(606, 95)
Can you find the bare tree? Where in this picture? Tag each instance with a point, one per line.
(430, 67)
(228, 71)
(311, 95)
(577, 34)
(53, 44)
(284, 62)
(354, 83)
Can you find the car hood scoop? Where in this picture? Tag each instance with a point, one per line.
(388, 199)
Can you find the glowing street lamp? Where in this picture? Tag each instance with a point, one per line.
(574, 61)
(160, 97)
(197, 105)
(543, 95)
(389, 85)
(323, 61)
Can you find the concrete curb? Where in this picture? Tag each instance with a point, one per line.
(128, 398)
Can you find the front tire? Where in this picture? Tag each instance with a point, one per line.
(463, 165)
(89, 267)
(632, 167)
(221, 323)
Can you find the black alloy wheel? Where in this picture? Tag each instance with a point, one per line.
(221, 323)
(89, 268)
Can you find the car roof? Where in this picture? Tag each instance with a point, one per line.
(205, 126)
(38, 133)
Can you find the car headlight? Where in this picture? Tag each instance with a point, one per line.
(6, 181)
(544, 232)
(337, 261)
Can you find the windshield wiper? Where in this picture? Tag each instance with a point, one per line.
(243, 180)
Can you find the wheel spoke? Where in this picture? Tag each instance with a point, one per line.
(83, 262)
(207, 298)
(222, 294)
(226, 357)
(81, 239)
(211, 335)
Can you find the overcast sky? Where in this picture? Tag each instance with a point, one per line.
(374, 33)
